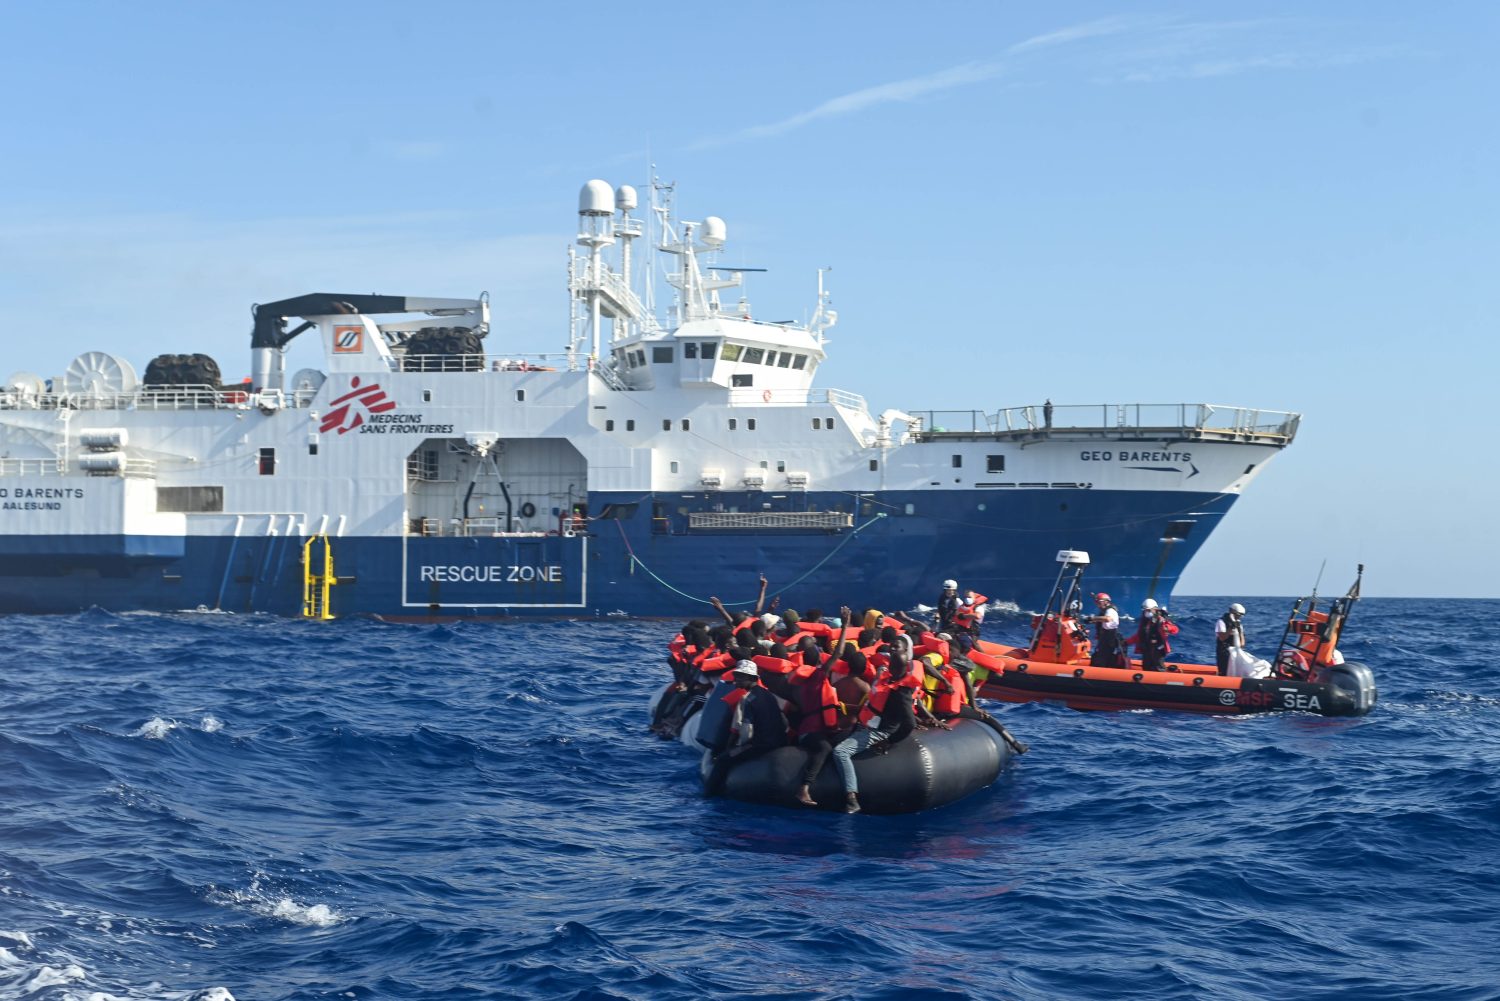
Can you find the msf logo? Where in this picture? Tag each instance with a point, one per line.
(349, 410)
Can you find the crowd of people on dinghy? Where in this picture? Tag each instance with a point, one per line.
(854, 684)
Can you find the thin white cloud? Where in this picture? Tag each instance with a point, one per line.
(1078, 32)
(1201, 69)
(962, 75)
(1165, 49)
(860, 100)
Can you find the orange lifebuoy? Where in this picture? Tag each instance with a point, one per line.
(766, 396)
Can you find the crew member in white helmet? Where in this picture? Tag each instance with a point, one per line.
(948, 604)
(1151, 638)
(1229, 634)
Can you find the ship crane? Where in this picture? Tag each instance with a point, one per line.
(269, 337)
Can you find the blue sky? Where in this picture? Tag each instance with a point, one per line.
(1279, 205)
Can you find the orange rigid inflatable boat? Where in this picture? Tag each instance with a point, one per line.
(1308, 673)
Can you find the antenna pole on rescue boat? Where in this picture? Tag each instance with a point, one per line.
(1068, 559)
(1313, 601)
(1338, 614)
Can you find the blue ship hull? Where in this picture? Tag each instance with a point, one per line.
(647, 561)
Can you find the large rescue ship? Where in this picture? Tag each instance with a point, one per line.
(426, 469)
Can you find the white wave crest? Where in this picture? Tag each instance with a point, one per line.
(316, 915)
(279, 906)
(211, 724)
(49, 976)
(156, 728)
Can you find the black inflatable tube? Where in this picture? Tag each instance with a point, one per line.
(928, 769)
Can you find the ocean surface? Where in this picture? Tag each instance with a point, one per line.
(213, 806)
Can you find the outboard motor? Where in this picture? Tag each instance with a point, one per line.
(1353, 679)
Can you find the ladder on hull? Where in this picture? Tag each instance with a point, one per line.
(317, 578)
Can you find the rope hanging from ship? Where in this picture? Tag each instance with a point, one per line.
(637, 561)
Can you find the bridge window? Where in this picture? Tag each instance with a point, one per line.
(740, 381)
(731, 352)
(689, 349)
(661, 356)
(770, 357)
(958, 462)
(708, 350)
(754, 355)
(784, 360)
(994, 463)
(268, 462)
(781, 465)
(799, 361)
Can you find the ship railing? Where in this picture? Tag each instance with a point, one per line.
(614, 286)
(161, 398)
(773, 397)
(473, 528)
(1202, 421)
(49, 466)
(606, 371)
(724, 521)
(556, 362)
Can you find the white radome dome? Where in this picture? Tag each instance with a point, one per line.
(596, 198)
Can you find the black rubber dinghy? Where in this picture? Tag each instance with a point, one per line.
(930, 768)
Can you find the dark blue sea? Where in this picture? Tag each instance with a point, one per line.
(214, 806)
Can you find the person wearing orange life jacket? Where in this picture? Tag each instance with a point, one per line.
(1151, 636)
(891, 716)
(686, 651)
(969, 615)
(949, 702)
(790, 629)
(820, 725)
(757, 727)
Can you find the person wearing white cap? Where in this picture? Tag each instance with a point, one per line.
(1229, 634)
(758, 726)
